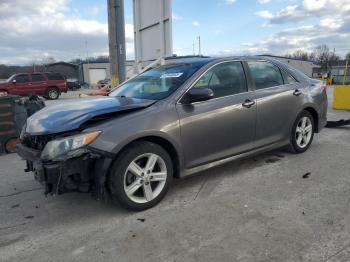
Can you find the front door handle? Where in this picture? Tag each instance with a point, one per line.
(248, 103)
(297, 92)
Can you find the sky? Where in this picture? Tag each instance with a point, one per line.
(32, 31)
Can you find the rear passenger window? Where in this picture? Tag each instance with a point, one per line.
(265, 74)
(54, 76)
(224, 79)
(37, 78)
(22, 79)
(288, 79)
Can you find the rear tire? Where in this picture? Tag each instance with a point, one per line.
(10, 144)
(302, 133)
(140, 176)
(52, 93)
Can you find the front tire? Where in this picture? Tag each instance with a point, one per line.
(3, 93)
(302, 133)
(52, 93)
(141, 175)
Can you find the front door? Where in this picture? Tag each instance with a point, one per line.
(223, 126)
(22, 85)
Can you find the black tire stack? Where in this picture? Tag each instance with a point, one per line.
(14, 111)
(8, 126)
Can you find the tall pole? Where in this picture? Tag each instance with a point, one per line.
(345, 71)
(116, 36)
(199, 45)
(87, 60)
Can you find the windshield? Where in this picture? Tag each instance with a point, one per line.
(10, 79)
(156, 83)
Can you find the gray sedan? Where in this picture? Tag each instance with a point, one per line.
(171, 121)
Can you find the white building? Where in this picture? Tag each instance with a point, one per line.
(92, 72)
(304, 66)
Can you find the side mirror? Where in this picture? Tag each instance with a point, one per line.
(14, 81)
(198, 94)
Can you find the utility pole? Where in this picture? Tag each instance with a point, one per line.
(199, 45)
(116, 36)
(345, 71)
(87, 60)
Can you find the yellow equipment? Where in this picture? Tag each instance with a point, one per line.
(341, 99)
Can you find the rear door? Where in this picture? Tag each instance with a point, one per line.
(223, 126)
(22, 86)
(57, 80)
(278, 100)
(39, 83)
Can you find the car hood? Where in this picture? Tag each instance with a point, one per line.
(71, 114)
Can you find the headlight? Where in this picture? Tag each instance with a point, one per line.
(70, 145)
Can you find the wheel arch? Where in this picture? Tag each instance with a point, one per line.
(55, 87)
(164, 143)
(315, 116)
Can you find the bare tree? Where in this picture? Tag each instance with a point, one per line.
(347, 56)
(324, 56)
(312, 56)
(300, 54)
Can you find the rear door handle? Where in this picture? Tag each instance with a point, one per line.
(248, 103)
(297, 92)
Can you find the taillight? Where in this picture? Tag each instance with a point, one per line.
(325, 85)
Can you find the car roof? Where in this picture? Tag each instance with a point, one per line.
(199, 61)
(202, 60)
(206, 59)
(25, 73)
(193, 60)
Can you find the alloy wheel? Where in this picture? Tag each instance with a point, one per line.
(145, 178)
(53, 94)
(303, 132)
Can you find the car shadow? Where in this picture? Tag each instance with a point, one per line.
(188, 189)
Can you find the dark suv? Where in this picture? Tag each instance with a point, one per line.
(171, 121)
(49, 85)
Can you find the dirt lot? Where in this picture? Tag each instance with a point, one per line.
(274, 207)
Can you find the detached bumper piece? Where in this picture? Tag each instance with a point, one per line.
(82, 174)
(342, 122)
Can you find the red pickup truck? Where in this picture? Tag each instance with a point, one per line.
(49, 85)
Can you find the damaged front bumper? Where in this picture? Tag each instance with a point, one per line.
(84, 173)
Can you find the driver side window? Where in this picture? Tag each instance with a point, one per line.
(208, 79)
(22, 79)
(224, 79)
